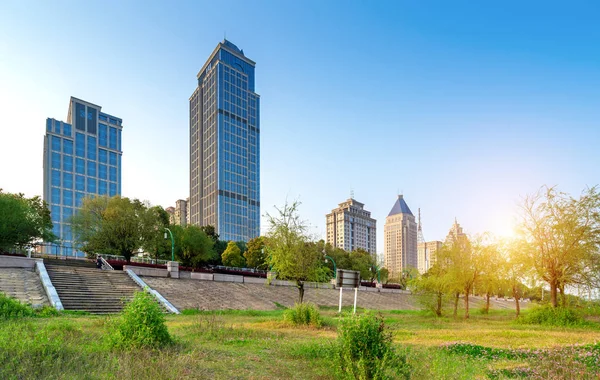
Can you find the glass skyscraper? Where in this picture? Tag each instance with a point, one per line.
(225, 146)
(82, 157)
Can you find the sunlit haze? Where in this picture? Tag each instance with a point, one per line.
(463, 107)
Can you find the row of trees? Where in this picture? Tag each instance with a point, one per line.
(558, 245)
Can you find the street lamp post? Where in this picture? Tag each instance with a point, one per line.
(333, 261)
(172, 244)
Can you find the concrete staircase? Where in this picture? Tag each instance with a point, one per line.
(81, 286)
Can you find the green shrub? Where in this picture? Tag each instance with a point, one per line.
(12, 308)
(305, 313)
(141, 324)
(549, 316)
(364, 350)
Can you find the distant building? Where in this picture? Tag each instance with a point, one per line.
(82, 157)
(456, 233)
(181, 212)
(400, 239)
(351, 227)
(171, 212)
(427, 254)
(187, 211)
(225, 146)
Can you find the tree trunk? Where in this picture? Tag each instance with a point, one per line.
(467, 304)
(553, 294)
(438, 309)
(300, 285)
(563, 300)
(517, 296)
(456, 304)
(487, 303)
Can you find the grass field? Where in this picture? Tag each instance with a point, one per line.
(258, 344)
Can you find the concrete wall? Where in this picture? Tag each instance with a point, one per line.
(148, 272)
(16, 262)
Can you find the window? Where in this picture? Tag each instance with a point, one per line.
(55, 160)
(91, 120)
(68, 197)
(102, 117)
(113, 121)
(79, 166)
(112, 190)
(102, 171)
(68, 163)
(79, 145)
(55, 178)
(79, 199)
(102, 135)
(80, 117)
(49, 125)
(67, 146)
(67, 180)
(55, 211)
(55, 195)
(55, 143)
(91, 185)
(118, 139)
(91, 147)
(67, 129)
(112, 174)
(101, 187)
(112, 158)
(91, 168)
(56, 126)
(79, 183)
(67, 213)
(102, 156)
(112, 138)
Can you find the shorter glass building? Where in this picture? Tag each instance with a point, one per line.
(82, 157)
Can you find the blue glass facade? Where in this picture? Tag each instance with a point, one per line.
(225, 146)
(77, 165)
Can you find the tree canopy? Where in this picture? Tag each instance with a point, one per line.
(232, 256)
(23, 221)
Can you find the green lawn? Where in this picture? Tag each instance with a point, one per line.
(257, 345)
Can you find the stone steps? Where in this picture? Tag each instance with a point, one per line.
(24, 285)
(85, 288)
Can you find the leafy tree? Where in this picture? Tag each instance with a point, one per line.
(291, 255)
(384, 274)
(110, 225)
(197, 247)
(232, 257)
(363, 262)
(564, 233)
(255, 253)
(434, 286)
(516, 269)
(154, 222)
(490, 276)
(23, 221)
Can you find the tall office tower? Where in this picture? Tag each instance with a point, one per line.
(351, 227)
(187, 211)
(400, 239)
(181, 212)
(82, 157)
(225, 146)
(171, 212)
(456, 233)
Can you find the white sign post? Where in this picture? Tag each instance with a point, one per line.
(348, 279)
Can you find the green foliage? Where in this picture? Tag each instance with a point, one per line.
(481, 352)
(364, 350)
(292, 255)
(12, 308)
(255, 254)
(141, 324)
(155, 220)
(303, 314)
(23, 221)
(549, 316)
(197, 247)
(232, 256)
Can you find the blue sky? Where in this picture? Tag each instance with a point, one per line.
(463, 106)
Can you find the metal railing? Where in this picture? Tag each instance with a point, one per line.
(135, 259)
(105, 264)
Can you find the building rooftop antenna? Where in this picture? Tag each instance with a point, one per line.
(351, 193)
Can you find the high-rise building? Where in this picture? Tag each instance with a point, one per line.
(456, 233)
(181, 212)
(82, 157)
(171, 211)
(351, 227)
(225, 146)
(427, 254)
(400, 239)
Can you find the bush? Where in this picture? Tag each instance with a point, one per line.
(141, 324)
(550, 316)
(12, 308)
(364, 350)
(305, 313)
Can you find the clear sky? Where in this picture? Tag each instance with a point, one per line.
(463, 106)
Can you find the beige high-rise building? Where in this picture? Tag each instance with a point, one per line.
(400, 239)
(171, 211)
(427, 254)
(456, 233)
(351, 227)
(181, 212)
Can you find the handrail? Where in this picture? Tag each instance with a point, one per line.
(136, 259)
(106, 264)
